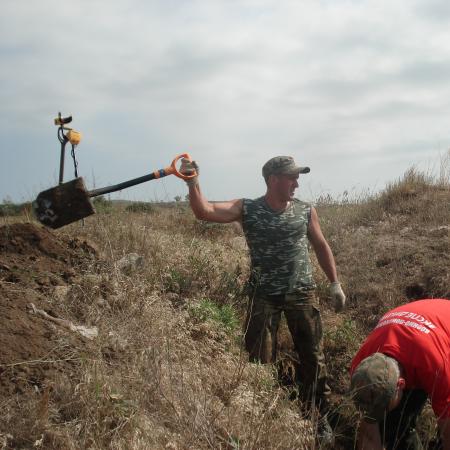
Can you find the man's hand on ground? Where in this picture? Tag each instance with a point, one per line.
(188, 168)
(338, 296)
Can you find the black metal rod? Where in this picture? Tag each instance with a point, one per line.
(125, 184)
(61, 161)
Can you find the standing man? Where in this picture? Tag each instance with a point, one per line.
(278, 229)
(403, 361)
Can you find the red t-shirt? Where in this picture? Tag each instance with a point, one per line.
(417, 335)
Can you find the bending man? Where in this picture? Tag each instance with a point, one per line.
(403, 361)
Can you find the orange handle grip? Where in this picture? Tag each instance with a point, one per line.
(172, 169)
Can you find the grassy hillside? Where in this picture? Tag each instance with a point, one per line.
(167, 370)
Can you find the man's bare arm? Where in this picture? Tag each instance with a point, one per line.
(221, 212)
(321, 248)
(369, 437)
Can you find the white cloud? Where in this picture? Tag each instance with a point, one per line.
(340, 84)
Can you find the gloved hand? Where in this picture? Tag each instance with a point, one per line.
(187, 168)
(337, 295)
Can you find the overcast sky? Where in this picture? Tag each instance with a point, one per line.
(357, 90)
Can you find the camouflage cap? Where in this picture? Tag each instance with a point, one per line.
(282, 165)
(373, 385)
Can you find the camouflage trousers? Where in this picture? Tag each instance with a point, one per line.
(305, 325)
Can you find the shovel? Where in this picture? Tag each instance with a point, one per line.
(71, 201)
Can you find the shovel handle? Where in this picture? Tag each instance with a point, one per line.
(172, 169)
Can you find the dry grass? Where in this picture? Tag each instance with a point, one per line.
(167, 370)
(185, 374)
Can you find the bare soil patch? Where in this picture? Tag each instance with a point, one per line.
(33, 263)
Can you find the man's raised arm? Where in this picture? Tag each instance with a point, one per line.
(221, 212)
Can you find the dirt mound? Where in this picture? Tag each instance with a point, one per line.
(34, 262)
(26, 238)
(36, 257)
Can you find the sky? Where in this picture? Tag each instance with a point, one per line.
(358, 90)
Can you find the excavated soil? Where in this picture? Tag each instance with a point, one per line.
(34, 264)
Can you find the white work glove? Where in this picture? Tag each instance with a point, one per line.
(188, 168)
(337, 295)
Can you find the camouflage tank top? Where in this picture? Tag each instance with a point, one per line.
(278, 246)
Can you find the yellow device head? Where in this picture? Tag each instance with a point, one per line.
(74, 137)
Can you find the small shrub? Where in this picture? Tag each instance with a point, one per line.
(9, 209)
(102, 204)
(416, 195)
(344, 336)
(178, 281)
(398, 195)
(141, 207)
(208, 310)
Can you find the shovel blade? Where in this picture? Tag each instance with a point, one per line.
(63, 204)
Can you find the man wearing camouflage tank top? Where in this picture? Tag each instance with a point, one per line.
(278, 229)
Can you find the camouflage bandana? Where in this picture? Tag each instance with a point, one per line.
(373, 386)
(282, 165)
